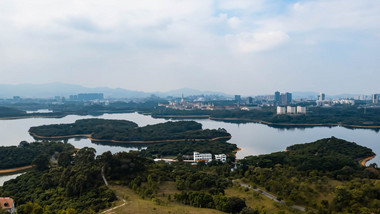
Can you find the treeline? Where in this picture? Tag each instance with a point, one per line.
(25, 153)
(74, 186)
(10, 112)
(206, 200)
(122, 130)
(346, 115)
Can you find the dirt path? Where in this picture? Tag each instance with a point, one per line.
(3, 171)
(365, 160)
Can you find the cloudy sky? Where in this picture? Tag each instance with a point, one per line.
(236, 46)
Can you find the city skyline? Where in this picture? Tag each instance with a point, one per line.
(234, 47)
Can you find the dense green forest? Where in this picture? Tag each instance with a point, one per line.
(75, 185)
(324, 175)
(25, 153)
(344, 115)
(121, 130)
(328, 155)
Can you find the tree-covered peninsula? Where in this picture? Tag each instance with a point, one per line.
(25, 153)
(127, 131)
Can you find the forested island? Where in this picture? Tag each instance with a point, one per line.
(322, 177)
(128, 132)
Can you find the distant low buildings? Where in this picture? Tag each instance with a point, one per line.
(221, 157)
(301, 110)
(87, 97)
(206, 157)
(281, 110)
(291, 110)
(7, 204)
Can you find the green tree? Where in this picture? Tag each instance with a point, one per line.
(41, 162)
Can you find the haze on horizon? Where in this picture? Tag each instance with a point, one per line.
(240, 46)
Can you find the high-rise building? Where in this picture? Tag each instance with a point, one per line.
(237, 99)
(276, 97)
(249, 100)
(321, 97)
(375, 98)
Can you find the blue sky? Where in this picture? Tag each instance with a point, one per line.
(236, 46)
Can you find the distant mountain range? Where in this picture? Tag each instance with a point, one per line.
(62, 89)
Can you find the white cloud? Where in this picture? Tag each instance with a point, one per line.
(256, 41)
(325, 14)
(166, 44)
(234, 22)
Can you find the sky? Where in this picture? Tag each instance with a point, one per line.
(243, 47)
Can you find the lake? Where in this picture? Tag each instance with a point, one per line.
(252, 138)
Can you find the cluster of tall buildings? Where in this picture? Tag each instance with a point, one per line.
(282, 99)
(321, 97)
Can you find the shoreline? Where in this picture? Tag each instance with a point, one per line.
(205, 117)
(15, 170)
(266, 122)
(119, 141)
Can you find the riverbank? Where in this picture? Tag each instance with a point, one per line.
(15, 170)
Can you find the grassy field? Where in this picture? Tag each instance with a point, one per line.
(257, 201)
(135, 204)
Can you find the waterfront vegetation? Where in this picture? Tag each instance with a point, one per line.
(122, 130)
(10, 112)
(349, 116)
(25, 153)
(188, 147)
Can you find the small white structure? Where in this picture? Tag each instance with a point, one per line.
(7, 204)
(281, 110)
(206, 157)
(221, 157)
(301, 110)
(291, 110)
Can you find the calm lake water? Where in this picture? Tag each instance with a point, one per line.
(252, 138)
